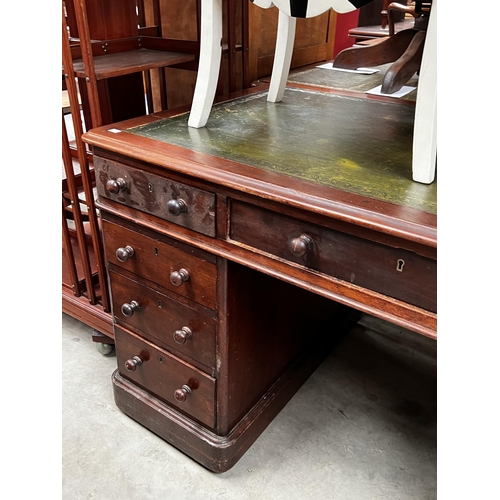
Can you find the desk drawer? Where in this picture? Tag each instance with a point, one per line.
(394, 272)
(176, 202)
(164, 320)
(168, 377)
(179, 271)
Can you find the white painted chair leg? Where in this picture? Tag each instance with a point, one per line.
(424, 134)
(209, 66)
(282, 56)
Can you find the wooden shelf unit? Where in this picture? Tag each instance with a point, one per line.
(125, 63)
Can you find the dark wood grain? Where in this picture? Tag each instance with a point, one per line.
(283, 270)
(368, 301)
(155, 260)
(219, 453)
(374, 55)
(132, 61)
(152, 193)
(160, 317)
(387, 218)
(349, 258)
(162, 374)
(271, 324)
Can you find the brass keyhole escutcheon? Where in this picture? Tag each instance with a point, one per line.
(400, 265)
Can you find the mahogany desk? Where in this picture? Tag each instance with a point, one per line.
(239, 252)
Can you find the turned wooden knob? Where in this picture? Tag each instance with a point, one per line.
(132, 364)
(181, 394)
(176, 207)
(177, 278)
(128, 309)
(301, 245)
(180, 336)
(124, 253)
(116, 185)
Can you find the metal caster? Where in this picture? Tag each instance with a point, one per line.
(107, 350)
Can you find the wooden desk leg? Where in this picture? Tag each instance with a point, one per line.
(282, 56)
(424, 135)
(209, 65)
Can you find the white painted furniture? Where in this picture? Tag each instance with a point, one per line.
(424, 133)
(209, 66)
(211, 47)
(424, 146)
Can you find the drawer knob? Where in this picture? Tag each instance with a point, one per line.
(128, 309)
(132, 364)
(177, 278)
(124, 253)
(181, 394)
(180, 336)
(114, 186)
(176, 207)
(301, 245)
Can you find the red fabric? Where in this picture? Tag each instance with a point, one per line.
(345, 22)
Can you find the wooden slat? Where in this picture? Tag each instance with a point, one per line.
(69, 255)
(77, 217)
(87, 180)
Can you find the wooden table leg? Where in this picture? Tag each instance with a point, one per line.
(388, 50)
(406, 66)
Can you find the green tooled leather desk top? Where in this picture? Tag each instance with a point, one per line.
(353, 82)
(358, 145)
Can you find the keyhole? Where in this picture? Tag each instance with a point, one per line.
(156, 251)
(400, 265)
(150, 187)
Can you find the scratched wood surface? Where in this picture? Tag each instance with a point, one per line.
(357, 145)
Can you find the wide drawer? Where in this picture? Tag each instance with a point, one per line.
(168, 377)
(176, 202)
(164, 320)
(170, 267)
(394, 272)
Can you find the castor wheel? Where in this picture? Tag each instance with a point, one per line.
(102, 343)
(107, 350)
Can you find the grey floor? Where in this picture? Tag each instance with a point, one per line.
(362, 427)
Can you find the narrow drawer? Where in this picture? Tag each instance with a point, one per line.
(164, 320)
(166, 376)
(170, 267)
(176, 202)
(394, 272)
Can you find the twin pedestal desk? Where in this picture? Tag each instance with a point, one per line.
(238, 253)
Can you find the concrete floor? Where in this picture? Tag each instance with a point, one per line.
(362, 427)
